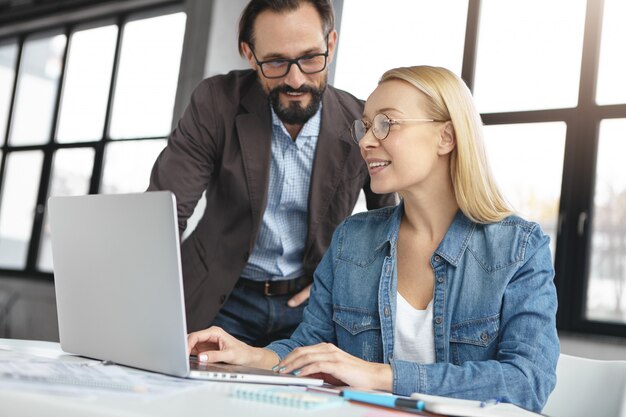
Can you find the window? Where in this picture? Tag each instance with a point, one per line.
(606, 288)
(102, 95)
(378, 36)
(526, 59)
(534, 193)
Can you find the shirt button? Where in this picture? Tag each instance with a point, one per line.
(440, 280)
(438, 320)
(386, 311)
(437, 258)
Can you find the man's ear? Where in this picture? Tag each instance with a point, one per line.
(332, 44)
(447, 138)
(247, 52)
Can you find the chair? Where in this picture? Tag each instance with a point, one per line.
(588, 387)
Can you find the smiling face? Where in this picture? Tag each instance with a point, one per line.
(296, 96)
(415, 155)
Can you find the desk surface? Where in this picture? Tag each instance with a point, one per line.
(207, 399)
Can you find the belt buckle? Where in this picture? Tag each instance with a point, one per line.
(266, 289)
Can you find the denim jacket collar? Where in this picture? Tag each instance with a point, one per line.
(451, 247)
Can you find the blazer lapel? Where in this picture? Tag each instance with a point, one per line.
(254, 131)
(333, 148)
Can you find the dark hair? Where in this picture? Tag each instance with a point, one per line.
(256, 7)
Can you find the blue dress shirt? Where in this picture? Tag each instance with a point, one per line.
(279, 247)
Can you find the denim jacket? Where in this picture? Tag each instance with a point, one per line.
(494, 307)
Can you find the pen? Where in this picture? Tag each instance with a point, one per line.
(384, 400)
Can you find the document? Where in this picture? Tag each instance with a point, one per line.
(78, 376)
(467, 408)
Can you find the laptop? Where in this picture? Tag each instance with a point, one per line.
(119, 288)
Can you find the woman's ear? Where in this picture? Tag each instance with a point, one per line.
(447, 139)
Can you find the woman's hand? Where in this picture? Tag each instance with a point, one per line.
(216, 345)
(328, 360)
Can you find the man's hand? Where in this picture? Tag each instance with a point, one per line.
(301, 297)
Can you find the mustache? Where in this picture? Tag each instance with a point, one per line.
(287, 89)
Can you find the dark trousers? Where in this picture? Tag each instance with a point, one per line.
(257, 319)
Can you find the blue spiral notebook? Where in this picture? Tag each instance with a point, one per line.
(286, 396)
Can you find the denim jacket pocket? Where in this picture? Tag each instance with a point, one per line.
(358, 332)
(473, 340)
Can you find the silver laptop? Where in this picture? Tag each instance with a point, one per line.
(119, 289)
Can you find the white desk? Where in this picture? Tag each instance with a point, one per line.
(207, 399)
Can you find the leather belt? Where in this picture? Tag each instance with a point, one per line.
(271, 288)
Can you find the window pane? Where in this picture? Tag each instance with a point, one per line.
(612, 67)
(529, 54)
(37, 85)
(148, 76)
(534, 193)
(19, 196)
(128, 165)
(409, 28)
(8, 58)
(87, 82)
(606, 287)
(71, 174)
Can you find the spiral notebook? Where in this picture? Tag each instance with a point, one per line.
(287, 397)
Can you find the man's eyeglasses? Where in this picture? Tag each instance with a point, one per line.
(380, 126)
(278, 68)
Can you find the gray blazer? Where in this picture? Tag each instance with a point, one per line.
(222, 145)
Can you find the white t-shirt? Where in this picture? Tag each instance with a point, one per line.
(414, 338)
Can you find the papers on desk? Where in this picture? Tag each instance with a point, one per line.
(77, 376)
(466, 408)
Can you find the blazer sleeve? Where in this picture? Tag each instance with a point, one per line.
(189, 159)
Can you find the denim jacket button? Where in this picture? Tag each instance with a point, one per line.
(388, 269)
(438, 320)
(440, 280)
(386, 311)
(484, 336)
(437, 258)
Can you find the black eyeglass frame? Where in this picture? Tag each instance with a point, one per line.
(390, 121)
(291, 62)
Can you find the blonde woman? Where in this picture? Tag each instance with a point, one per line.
(449, 293)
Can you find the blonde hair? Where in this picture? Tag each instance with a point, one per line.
(474, 187)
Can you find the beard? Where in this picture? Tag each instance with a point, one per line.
(294, 113)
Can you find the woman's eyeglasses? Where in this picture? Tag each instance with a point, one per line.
(380, 126)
